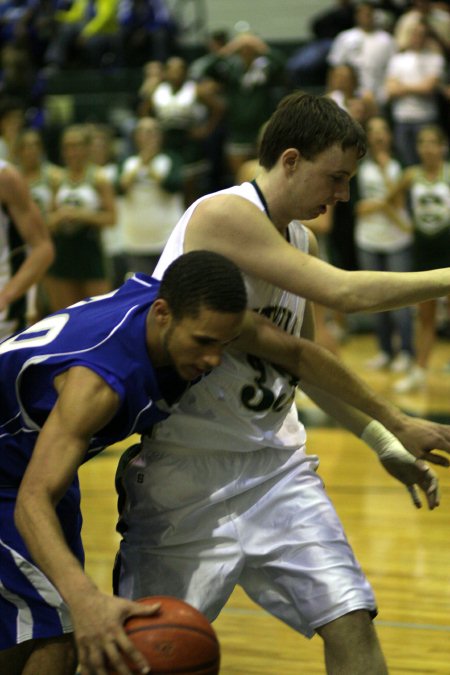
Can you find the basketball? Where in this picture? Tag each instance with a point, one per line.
(177, 639)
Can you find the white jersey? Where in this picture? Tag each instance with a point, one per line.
(177, 109)
(376, 231)
(149, 210)
(245, 403)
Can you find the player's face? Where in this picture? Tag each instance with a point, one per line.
(194, 345)
(322, 181)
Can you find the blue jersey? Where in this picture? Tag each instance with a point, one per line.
(106, 334)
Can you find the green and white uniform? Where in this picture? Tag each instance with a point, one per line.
(79, 252)
(430, 203)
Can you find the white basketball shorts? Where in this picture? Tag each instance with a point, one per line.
(195, 524)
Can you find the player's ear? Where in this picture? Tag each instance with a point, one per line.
(290, 159)
(161, 311)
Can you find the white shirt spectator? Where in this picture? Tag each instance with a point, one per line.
(368, 52)
(411, 68)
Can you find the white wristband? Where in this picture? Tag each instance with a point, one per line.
(385, 444)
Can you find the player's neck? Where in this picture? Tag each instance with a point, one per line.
(268, 187)
(155, 348)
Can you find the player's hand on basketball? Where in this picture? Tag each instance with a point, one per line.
(417, 476)
(422, 438)
(102, 643)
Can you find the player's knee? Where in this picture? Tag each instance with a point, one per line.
(342, 633)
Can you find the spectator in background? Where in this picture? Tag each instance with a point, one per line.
(12, 22)
(251, 74)
(86, 34)
(412, 81)
(41, 175)
(12, 121)
(188, 112)
(151, 181)
(153, 74)
(147, 31)
(214, 43)
(40, 28)
(428, 187)
(19, 79)
(308, 65)
(367, 49)
(103, 155)
(342, 86)
(83, 205)
(383, 236)
(436, 17)
(214, 143)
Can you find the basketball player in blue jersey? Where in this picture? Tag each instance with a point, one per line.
(240, 427)
(25, 248)
(72, 384)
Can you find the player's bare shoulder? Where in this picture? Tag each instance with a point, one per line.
(225, 207)
(227, 218)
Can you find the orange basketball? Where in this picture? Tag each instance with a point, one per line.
(178, 639)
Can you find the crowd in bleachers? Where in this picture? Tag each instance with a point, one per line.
(113, 188)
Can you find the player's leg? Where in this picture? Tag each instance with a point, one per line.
(351, 646)
(35, 657)
(35, 623)
(13, 660)
(176, 539)
(300, 567)
(57, 656)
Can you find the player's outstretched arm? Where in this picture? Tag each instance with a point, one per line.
(61, 446)
(317, 366)
(236, 228)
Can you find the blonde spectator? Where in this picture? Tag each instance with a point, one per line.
(188, 113)
(41, 175)
(151, 181)
(412, 81)
(83, 205)
(435, 15)
(103, 155)
(342, 87)
(383, 236)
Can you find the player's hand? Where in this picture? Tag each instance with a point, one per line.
(100, 636)
(422, 438)
(416, 476)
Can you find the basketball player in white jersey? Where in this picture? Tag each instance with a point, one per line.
(244, 503)
(25, 248)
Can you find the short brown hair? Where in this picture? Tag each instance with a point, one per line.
(311, 124)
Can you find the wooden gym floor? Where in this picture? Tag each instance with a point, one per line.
(405, 552)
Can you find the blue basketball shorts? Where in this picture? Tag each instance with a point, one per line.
(30, 606)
